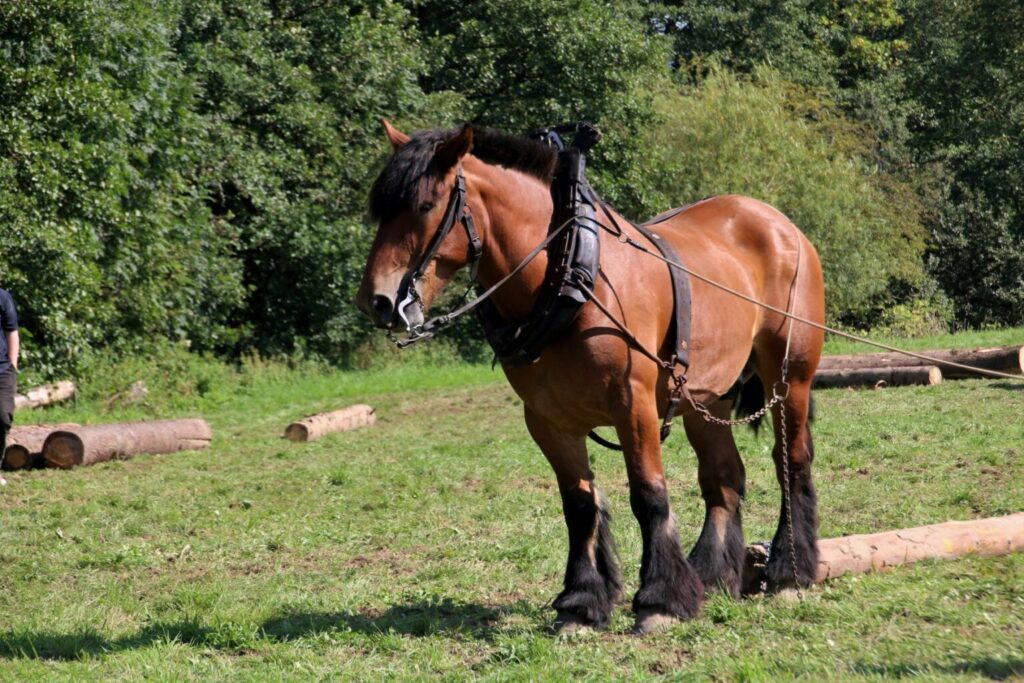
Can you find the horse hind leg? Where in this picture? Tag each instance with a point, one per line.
(718, 555)
(794, 551)
(592, 582)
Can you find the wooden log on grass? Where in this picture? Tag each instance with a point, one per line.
(878, 552)
(45, 395)
(91, 444)
(313, 427)
(1003, 359)
(25, 445)
(927, 375)
(865, 553)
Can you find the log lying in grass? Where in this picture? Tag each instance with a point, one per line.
(25, 445)
(45, 395)
(97, 443)
(1004, 359)
(313, 427)
(925, 375)
(878, 552)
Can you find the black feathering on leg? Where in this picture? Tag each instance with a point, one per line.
(805, 539)
(590, 589)
(668, 584)
(720, 564)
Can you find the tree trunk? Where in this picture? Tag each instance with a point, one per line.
(25, 445)
(45, 395)
(877, 377)
(315, 426)
(1004, 359)
(97, 443)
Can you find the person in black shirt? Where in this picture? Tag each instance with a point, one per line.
(10, 344)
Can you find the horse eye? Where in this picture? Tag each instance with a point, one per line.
(426, 207)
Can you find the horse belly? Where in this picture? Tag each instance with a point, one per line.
(568, 386)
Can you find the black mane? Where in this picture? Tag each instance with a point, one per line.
(400, 184)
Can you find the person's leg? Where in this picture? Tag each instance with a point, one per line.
(8, 387)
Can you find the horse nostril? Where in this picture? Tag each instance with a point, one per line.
(382, 307)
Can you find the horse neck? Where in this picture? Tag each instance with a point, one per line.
(516, 215)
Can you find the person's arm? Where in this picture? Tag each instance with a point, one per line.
(13, 346)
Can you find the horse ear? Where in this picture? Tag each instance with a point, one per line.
(454, 148)
(396, 137)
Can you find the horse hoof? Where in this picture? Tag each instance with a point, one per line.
(648, 622)
(570, 625)
(788, 594)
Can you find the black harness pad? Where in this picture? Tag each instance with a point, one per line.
(574, 259)
(573, 264)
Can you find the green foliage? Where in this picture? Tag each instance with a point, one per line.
(104, 239)
(523, 65)
(967, 71)
(196, 170)
(764, 139)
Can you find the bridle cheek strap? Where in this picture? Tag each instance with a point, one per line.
(457, 210)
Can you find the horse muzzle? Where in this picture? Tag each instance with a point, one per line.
(381, 309)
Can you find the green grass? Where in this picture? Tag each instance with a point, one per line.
(431, 545)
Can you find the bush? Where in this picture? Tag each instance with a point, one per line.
(778, 144)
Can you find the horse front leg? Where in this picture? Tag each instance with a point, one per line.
(669, 587)
(592, 583)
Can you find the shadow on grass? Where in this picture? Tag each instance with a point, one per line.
(85, 643)
(1009, 386)
(423, 618)
(987, 667)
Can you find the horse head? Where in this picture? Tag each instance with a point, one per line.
(417, 200)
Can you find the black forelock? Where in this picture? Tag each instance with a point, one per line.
(400, 184)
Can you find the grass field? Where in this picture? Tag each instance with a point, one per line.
(431, 545)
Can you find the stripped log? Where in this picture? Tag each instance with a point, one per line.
(1003, 359)
(313, 427)
(97, 443)
(926, 375)
(45, 395)
(25, 445)
(878, 552)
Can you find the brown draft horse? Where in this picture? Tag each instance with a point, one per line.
(594, 376)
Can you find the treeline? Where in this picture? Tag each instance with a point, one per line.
(197, 169)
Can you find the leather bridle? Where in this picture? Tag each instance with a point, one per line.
(457, 210)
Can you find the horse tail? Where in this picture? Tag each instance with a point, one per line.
(751, 399)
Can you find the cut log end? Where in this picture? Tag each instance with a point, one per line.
(296, 431)
(63, 450)
(17, 457)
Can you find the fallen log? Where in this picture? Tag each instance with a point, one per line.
(313, 427)
(25, 445)
(832, 378)
(878, 552)
(1003, 359)
(91, 444)
(45, 395)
